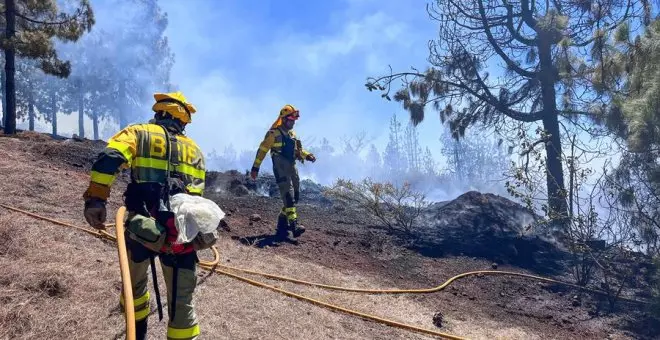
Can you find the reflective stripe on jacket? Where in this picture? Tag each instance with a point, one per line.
(280, 142)
(142, 148)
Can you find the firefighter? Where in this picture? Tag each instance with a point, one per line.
(285, 149)
(163, 162)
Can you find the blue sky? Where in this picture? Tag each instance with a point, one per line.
(240, 61)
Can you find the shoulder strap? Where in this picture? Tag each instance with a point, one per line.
(168, 152)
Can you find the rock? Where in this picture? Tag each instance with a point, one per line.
(576, 301)
(493, 265)
(437, 319)
(255, 218)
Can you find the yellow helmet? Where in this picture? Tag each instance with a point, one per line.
(176, 104)
(288, 111)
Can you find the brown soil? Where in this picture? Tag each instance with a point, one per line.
(60, 283)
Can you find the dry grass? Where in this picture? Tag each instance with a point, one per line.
(402, 308)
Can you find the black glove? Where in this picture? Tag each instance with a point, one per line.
(95, 212)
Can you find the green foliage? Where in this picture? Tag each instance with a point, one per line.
(637, 191)
(112, 70)
(641, 109)
(38, 23)
(634, 116)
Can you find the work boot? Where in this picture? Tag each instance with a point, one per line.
(296, 229)
(141, 329)
(282, 232)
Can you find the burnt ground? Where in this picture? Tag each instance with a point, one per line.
(47, 176)
(349, 243)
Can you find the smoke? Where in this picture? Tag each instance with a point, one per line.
(349, 158)
(239, 65)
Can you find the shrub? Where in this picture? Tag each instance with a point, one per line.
(397, 207)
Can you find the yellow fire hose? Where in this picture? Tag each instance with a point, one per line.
(129, 311)
(214, 267)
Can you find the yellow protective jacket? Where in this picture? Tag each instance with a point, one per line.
(280, 142)
(142, 148)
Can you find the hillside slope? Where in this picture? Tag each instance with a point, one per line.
(61, 283)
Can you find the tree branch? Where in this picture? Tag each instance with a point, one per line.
(515, 32)
(488, 97)
(607, 28)
(45, 22)
(510, 63)
(527, 14)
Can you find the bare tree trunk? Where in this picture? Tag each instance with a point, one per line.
(10, 90)
(31, 109)
(54, 113)
(95, 122)
(4, 97)
(122, 110)
(554, 170)
(81, 110)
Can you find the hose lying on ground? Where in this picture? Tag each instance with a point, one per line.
(214, 266)
(129, 311)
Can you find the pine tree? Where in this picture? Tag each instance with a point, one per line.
(412, 149)
(429, 163)
(541, 45)
(146, 69)
(29, 82)
(634, 116)
(393, 158)
(374, 161)
(474, 159)
(51, 100)
(30, 28)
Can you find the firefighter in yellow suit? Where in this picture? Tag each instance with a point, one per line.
(163, 162)
(285, 149)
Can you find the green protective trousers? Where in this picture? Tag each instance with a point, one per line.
(288, 181)
(182, 268)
